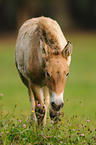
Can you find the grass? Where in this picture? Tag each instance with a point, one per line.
(16, 131)
(79, 98)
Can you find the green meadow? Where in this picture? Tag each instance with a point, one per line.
(79, 95)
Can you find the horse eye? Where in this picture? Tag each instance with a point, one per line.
(67, 74)
(48, 74)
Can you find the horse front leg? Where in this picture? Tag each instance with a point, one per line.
(47, 100)
(39, 107)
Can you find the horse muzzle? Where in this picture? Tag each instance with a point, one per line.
(57, 101)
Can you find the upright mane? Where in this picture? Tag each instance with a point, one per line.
(50, 34)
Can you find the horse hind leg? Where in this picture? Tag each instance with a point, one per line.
(30, 92)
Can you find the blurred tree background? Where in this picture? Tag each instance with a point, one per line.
(69, 13)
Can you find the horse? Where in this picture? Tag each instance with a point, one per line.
(42, 58)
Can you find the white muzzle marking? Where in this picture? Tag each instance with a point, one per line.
(57, 99)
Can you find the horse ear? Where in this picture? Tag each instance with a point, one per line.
(46, 50)
(67, 51)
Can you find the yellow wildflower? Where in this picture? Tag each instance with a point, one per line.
(62, 122)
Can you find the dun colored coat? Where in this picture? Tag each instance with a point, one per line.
(42, 58)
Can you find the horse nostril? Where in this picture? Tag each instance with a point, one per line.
(57, 107)
(53, 104)
(62, 105)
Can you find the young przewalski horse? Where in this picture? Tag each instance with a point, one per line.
(42, 58)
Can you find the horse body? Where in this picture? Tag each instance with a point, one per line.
(42, 58)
